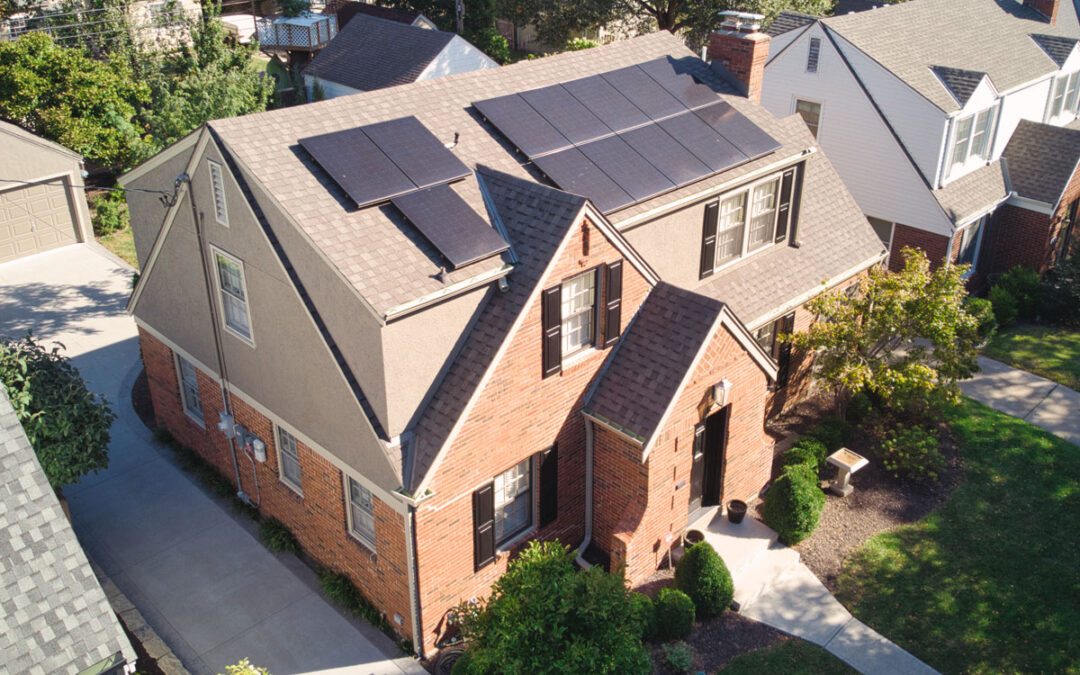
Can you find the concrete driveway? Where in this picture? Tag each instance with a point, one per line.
(196, 571)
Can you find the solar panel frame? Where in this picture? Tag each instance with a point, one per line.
(519, 122)
(682, 86)
(574, 173)
(416, 151)
(366, 175)
(460, 234)
(703, 141)
(605, 101)
(738, 129)
(624, 165)
(665, 153)
(567, 114)
(644, 92)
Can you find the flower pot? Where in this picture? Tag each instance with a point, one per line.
(693, 537)
(736, 511)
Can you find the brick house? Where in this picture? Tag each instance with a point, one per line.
(921, 105)
(519, 306)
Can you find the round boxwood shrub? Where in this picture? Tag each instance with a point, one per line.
(703, 576)
(642, 607)
(1005, 306)
(833, 432)
(811, 446)
(798, 454)
(794, 503)
(674, 614)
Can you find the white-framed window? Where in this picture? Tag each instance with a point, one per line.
(883, 229)
(972, 139)
(217, 184)
(970, 243)
(747, 220)
(1064, 97)
(189, 389)
(578, 312)
(814, 55)
(288, 460)
(810, 111)
(361, 513)
(513, 501)
(233, 292)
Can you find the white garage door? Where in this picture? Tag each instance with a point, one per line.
(34, 218)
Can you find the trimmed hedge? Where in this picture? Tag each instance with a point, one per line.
(674, 614)
(1005, 306)
(794, 503)
(703, 576)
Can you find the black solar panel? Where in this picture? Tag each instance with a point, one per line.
(666, 154)
(644, 92)
(526, 128)
(567, 114)
(605, 101)
(459, 233)
(680, 85)
(573, 172)
(358, 166)
(416, 151)
(735, 127)
(703, 141)
(626, 167)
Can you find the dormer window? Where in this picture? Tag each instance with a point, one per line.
(972, 140)
(1064, 98)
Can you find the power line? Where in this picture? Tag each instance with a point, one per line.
(52, 181)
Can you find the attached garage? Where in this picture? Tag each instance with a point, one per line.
(42, 205)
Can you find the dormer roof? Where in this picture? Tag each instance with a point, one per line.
(960, 83)
(1056, 47)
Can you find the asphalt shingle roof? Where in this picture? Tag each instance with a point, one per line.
(789, 21)
(960, 83)
(371, 53)
(1042, 159)
(974, 193)
(54, 616)
(989, 36)
(652, 358)
(346, 11)
(1057, 47)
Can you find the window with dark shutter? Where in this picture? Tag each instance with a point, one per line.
(484, 526)
(549, 485)
(612, 302)
(708, 239)
(787, 185)
(782, 350)
(796, 200)
(551, 309)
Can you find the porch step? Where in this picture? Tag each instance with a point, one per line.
(756, 576)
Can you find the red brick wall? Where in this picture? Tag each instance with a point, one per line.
(641, 536)
(934, 245)
(517, 414)
(317, 518)
(1018, 237)
(744, 56)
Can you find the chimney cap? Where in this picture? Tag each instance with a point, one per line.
(741, 21)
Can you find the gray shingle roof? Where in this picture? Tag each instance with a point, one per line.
(789, 21)
(1042, 159)
(975, 193)
(960, 83)
(54, 617)
(989, 36)
(371, 53)
(1057, 47)
(537, 218)
(346, 11)
(652, 358)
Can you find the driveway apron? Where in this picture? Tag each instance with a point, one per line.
(196, 571)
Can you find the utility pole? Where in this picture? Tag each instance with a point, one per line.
(459, 10)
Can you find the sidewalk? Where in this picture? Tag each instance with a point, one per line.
(1042, 402)
(196, 571)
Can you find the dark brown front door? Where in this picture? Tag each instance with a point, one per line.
(707, 472)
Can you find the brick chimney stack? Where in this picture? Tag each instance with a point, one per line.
(741, 48)
(1048, 8)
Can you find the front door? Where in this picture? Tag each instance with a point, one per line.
(707, 472)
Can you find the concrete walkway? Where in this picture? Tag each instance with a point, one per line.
(773, 587)
(196, 571)
(1032, 398)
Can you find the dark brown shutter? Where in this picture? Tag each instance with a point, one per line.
(483, 507)
(708, 239)
(784, 325)
(796, 201)
(612, 302)
(787, 184)
(549, 485)
(551, 308)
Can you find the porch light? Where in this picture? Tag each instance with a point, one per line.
(720, 393)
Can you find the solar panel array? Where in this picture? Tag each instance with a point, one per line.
(402, 162)
(627, 135)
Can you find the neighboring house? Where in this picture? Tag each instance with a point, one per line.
(371, 53)
(42, 203)
(346, 10)
(916, 105)
(54, 616)
(533, 302)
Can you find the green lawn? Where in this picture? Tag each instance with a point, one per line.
(793, 657)
(122, 244)
(991, 582)
(1043, 350)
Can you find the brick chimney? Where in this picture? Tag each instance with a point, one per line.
(1048, 8)
(741, 48)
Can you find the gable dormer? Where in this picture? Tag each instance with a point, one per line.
(970, 130)
(1063, 103)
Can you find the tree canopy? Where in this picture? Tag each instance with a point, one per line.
(68, 426)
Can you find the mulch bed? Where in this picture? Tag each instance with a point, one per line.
(140, 400)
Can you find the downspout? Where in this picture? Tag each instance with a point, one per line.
(414, 580)
(223, 379)
(588, 494)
